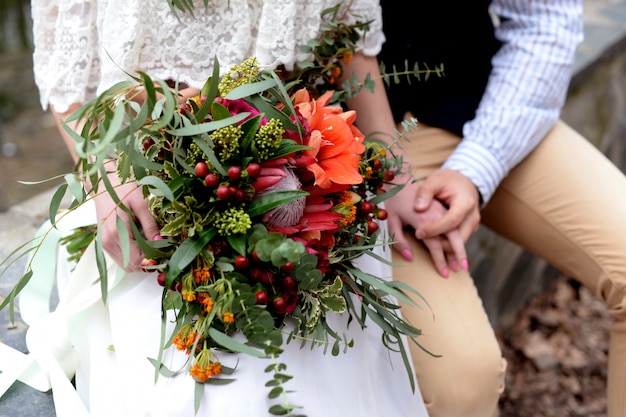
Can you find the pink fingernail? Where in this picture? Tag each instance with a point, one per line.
(454, 265)
(465, 265)
(445, 272)
(157, 237)
(407, 254)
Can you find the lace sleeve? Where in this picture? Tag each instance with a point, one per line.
(85, 46)
(65, 58)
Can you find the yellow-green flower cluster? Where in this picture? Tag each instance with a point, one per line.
(226, 141)
(239, 75)
(268, 138)
(232, 221)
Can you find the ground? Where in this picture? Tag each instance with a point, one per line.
(557, 355)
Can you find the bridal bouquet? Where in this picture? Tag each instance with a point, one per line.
(264, 197)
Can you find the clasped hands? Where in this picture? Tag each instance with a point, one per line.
(444, 214)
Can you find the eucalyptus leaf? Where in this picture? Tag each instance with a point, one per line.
(122, 232)
(197, 129)
(233, 345)
(272, 200)
(187, 251)
(55, 203)
(157, 186)
(247, 90)
(102, 268)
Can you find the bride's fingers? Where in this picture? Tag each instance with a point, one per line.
(454, 245)
(437, 255)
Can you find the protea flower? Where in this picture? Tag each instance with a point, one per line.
(281, 179)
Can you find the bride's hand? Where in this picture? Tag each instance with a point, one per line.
(107, 212)
(132, 196)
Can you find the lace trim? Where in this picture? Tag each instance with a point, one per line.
(85, 46)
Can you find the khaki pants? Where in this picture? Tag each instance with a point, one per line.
(565, 203)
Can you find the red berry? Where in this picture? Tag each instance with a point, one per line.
(287, 268)
(261, 297)
(224, 192)
(279, 303)
(381, 214)
(377, 165)
(234, 173)
(372, 227)
(211, 180)
(176, 286)
(240, 195)
(258, 275)
(241, 262)
(147, 265)
(253, 170)
(289, 283)
(202, 170)
(389, 176)
(161, 279)
(367, 207)
(147, 143)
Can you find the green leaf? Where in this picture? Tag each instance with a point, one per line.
(247, 90)
(381, 285)
(163, 370)
(102, 267)
(273, 200)
(76, 187)
(198, 129)
(233, 345)
(55, 203)
(122, 232)
(111, 131)
(238, 243)
(157, 186)
(197, 396)
(275, 392)
(219, 112)
(382, 197)
(208, 151)
(187, 251)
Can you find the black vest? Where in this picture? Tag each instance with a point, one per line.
(457, 34)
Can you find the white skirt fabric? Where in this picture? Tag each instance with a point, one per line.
(108, 346)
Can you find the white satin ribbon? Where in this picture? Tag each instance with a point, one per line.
(51, 363)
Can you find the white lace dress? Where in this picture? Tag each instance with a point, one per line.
(84, 47)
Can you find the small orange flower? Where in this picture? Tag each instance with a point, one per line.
(347, 57)
(202, 275)
(229, 317)
(185, 338)
(188, 295)
(346, 207)
(204, 367)
(207, 301)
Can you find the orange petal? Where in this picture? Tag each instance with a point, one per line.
(343, 169)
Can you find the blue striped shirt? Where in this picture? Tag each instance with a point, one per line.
(526, 90)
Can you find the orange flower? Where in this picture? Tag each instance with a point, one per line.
(202, 275)
(229, 317)
(204, 367)
(207, 301)
(336, 144)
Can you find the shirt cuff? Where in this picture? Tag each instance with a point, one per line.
(482, 168)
